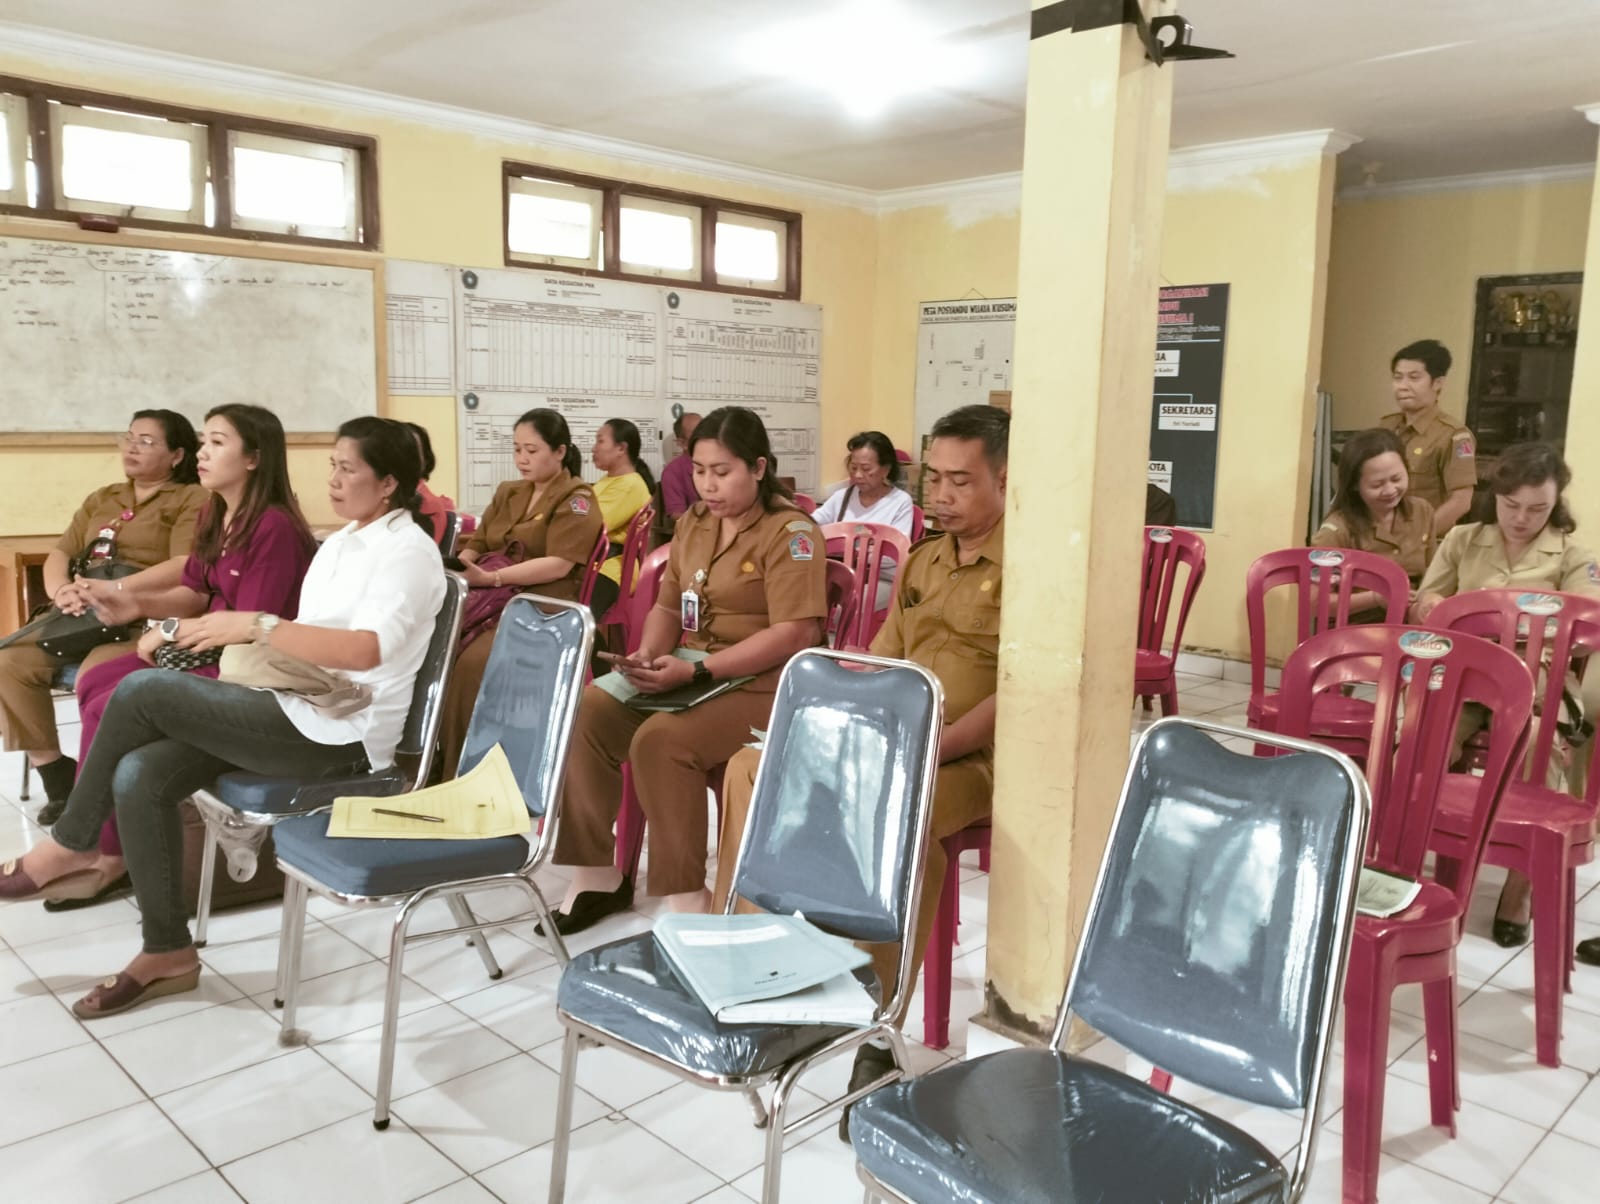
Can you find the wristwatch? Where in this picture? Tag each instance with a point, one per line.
(169, 629)
(265, 625)
(702, 674)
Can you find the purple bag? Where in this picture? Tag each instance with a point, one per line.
(482, 611)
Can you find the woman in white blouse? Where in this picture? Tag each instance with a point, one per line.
(873, 494)
(367, 609)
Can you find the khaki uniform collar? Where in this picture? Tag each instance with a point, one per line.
(991, 549)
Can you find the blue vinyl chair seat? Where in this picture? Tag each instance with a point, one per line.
(1036, 1126)
(630, 990)
(272, 794)
(390, 867)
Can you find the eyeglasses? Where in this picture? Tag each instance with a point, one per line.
(142, 442)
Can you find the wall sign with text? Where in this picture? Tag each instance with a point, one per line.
(1187, 405)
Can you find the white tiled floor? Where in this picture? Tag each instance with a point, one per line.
(191, 1100)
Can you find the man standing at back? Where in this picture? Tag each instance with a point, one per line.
(945, 617)
(677, 478)
(1440, 450)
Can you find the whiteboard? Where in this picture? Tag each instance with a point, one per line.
(91, 332)
(596, 349)
(963, 353)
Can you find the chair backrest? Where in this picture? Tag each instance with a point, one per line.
(450, 533)
(841, 627)
(1165, 550)
(634, 546)
(420, 736)
(598, 555)
(865, 548)
(806, 502)
(1546, 630)
(639, 602)
(1324, 580)
(1423, 679)
(919, 523)
(842, 798)
(529, 698)
(1217, 934)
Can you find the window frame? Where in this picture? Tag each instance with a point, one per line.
(15, 146)
(555, 190)
(124, 122)
(639, 203)
(278, 144)
(613, 191)
(752, 222)
(38, 97)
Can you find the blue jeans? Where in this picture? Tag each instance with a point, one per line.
(165, 735)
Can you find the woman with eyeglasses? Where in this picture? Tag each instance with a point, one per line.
(147, 520)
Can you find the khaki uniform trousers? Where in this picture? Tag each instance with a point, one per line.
(27, 714)
(963, 793)
(670, 756)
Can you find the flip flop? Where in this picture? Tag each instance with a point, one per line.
(18, 886)
(121, 992)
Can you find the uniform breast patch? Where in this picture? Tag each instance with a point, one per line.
(801, 548)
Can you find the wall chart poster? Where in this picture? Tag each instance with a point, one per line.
(1187, 406)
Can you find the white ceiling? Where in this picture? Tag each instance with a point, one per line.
(1433, 87)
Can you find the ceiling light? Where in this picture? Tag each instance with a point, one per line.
(867, 54)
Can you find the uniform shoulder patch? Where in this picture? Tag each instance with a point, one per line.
(801, 548)
(1464, 444)
(1594, 573)
(801, 524)
(579, 504)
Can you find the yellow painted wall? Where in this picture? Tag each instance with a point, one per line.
(1407, 267)
(440, 201)
(1583, 429)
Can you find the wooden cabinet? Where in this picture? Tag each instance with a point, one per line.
(1525, 344)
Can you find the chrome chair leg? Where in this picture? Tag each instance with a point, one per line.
(547, 921)
(208, 875)
(562, 1144)
(291, 943)
(391, 1012)
(462, 911)
(753, 1098)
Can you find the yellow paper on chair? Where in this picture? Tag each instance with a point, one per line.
(479, 805)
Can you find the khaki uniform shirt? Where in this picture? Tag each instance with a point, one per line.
(1474, 557)
(946, 617)
(567, 523)
(156, 529)
(773, 571)
(1441, 453)
(1410, 543)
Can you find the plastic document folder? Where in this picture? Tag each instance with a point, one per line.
(681, 699)
(767, 969)
(1380, 894)
(479, 805)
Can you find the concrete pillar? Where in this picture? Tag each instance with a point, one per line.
(1583, 414)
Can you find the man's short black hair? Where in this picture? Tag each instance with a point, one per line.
(989, 424)
(1430, 353)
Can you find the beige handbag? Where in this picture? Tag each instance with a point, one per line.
(260, 666)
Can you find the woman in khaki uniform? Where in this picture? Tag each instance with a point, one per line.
(150, 518)
(1529, 544)
(745, 583)
(555, 518)
(1374, 512)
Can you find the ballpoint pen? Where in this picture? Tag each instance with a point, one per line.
(432, 819)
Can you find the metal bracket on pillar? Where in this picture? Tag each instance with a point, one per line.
(1080, 15)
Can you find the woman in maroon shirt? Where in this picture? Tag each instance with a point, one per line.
(252, 547)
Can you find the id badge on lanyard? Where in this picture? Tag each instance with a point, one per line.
(689, 603)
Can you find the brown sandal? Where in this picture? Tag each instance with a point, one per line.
(121, 992)
(18, 886)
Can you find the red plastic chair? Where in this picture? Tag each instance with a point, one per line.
(1165, 549)
(635, 544)
(597, 557)
(1323, 581)
(1538, 831)
(1423, 679)
(806, 502)
(864, 547)
(919, 523)
(939, 952)
(630, 815)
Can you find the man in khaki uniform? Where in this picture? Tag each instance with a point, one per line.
(1440, 451)
(946, 617)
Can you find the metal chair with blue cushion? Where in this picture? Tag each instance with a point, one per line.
(1214, 947)
(527, 705)
(836, 831)
(240, 809)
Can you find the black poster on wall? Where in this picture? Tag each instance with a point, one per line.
(1187, 407)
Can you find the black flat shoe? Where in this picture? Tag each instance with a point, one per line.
(871, 1064)
(114, 889)
(1588, 952)
(50, 812)
(590, 907)
(1509, 934)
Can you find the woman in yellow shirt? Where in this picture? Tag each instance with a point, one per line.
(1529, 545)
(625, 490)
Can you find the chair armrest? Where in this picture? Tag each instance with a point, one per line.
(313, 796)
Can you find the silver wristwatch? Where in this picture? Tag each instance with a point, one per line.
(265, 625)
(169, 630)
